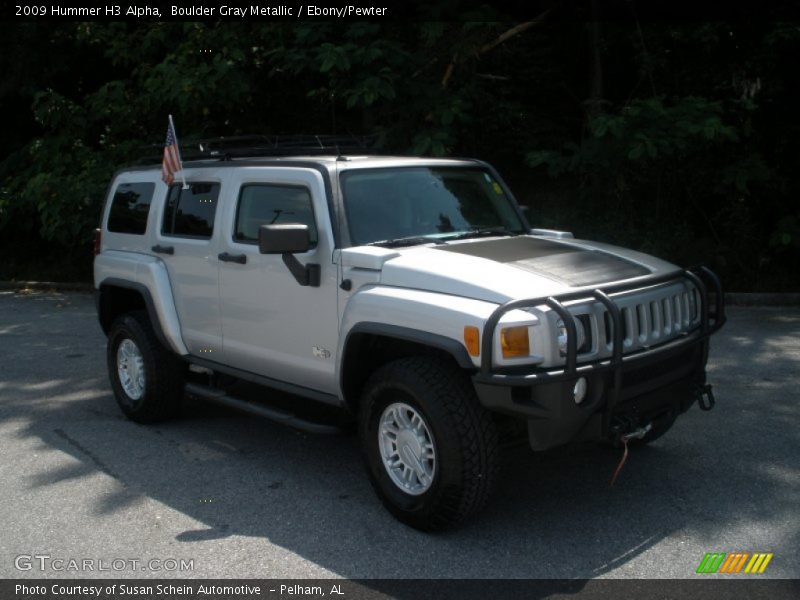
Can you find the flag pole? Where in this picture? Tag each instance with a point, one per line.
(178, 148)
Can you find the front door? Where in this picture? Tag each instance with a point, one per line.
(273, 326)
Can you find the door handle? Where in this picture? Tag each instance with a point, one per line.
(159, 249)
(237, 258)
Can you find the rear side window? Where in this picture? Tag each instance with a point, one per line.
(130, 207)
(190, 212)
(268, 204)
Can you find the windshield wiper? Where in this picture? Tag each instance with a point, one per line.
(483, 232)
(414, 240)
(411, 240)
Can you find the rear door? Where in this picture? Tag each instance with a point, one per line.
(187, 240)
(273, 326)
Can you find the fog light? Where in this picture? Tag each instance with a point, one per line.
(579, 391)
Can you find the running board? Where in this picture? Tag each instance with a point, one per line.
(217, 396)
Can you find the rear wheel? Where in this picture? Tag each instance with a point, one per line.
(147, 379)
(430, 447)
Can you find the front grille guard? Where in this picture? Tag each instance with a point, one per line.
(710, 322)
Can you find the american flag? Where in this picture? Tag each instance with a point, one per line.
(172, 158)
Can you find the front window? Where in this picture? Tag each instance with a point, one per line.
(425, 204)
(270, 204)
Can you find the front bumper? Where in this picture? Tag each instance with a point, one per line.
(640, 386)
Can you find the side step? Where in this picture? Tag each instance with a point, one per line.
(218, 396)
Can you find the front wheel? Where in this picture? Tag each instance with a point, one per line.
(430, 447)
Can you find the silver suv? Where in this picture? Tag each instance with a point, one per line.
(408, 294)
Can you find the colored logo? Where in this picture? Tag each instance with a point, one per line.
(734, 562)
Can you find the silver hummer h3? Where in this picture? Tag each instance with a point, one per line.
(410, 295)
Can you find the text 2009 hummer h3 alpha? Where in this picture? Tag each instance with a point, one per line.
(408, 292)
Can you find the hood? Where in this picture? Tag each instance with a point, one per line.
(502, 269)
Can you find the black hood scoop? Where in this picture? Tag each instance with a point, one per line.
(576, 266)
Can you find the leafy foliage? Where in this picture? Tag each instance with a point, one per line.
(679, 140)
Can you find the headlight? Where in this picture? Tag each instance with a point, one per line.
(562, 335)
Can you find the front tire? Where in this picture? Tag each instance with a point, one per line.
(147, 379)
(430, 447)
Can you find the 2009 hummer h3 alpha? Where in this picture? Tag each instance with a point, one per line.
(410, 293)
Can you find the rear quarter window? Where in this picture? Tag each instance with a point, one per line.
(130, 208)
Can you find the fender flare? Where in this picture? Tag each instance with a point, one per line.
(144, 291)
(452, 347)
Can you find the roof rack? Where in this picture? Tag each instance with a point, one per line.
(227, 148)
(285, 145)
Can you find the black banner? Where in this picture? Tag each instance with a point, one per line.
(393, 10)
(339, 589)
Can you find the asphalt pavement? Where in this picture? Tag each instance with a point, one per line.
(234, 496)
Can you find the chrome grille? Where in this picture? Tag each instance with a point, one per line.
(651, 316)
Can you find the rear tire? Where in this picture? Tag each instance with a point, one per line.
(147, 379)
(454, 477)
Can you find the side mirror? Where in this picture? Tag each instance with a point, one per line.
(287, 240)
(280, 239)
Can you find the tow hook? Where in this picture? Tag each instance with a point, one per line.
(636, 434)
(626, 428)
(705, 397)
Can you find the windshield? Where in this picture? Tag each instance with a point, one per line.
(424, 204)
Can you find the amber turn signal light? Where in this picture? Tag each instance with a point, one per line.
(472, 340)
(514, 342)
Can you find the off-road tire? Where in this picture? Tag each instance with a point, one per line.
(463, 432)
(164, 371)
